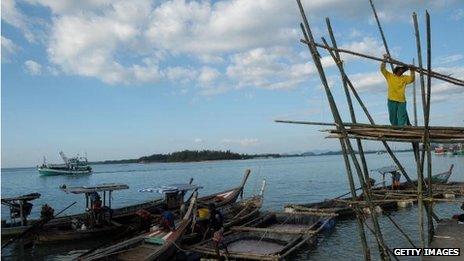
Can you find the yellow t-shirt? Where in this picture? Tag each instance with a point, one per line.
(396, 84)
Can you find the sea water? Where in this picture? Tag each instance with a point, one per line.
(289, 180)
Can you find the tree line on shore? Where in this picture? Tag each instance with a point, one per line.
(210, 155)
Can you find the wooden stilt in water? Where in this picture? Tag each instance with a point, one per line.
(420, 177)
(427, 119)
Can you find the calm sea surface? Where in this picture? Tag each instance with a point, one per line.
(289, 180)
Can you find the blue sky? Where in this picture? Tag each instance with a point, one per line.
(123, 79)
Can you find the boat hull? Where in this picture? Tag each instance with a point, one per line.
(52, 172)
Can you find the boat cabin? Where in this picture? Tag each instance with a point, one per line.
(96, 197)
(20, 208)
(392, 170)
(173, 194)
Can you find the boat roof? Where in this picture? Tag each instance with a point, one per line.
(96, 188)
(171, 188)
(388, 169)
(27, 197)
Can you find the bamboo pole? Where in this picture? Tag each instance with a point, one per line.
(316, 58)
(381, 31)
(433, 74)
(401, 230)
(350, 104)
(427, 119)
(414, 97)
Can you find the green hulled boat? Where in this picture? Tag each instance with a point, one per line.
(72, 166)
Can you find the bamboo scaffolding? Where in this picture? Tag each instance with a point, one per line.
(445, 128)
(345, 131)
(346, 80)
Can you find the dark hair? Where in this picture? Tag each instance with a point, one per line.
(212, 206)
(397, 68)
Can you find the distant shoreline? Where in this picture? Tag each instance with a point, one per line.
(208, 155)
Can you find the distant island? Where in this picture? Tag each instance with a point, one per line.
(211, 155)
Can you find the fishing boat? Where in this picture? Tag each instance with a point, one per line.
(234, 214)
(273, 236)
(157, 244)
(71, 166)
(381, 193)
(96, 222)
(20, 208)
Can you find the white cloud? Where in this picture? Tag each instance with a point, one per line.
(181, 74)
(9, 48)
(369, 81)
(32, 67)
(446, 60)
(208, 75)
(198, 140)
(268, 68)
(246, 142)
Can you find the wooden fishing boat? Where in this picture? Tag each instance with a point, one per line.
(175, 199)
(385, 202)
(154, 245)
(20, 208)
(96, 222)
(234, 214)
(273, 236)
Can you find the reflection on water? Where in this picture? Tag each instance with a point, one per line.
(289, 180)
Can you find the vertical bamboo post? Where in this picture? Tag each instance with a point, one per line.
(381, 31)
(316, 58)
(426, 125)
(420, 167)
(420, 177)
(414, 97)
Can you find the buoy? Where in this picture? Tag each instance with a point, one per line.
(404, 203)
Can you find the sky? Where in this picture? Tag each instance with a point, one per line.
(124, 79)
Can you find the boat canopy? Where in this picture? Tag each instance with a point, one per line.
(96, 188)
(27, 197)
(180, 187)
(386, 170)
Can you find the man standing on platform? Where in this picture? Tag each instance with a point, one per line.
(396, 83)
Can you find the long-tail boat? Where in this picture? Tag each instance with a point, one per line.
(234, 214)
(273, 236)
(96, 222)
(20, 208)
(343, 210)
(156, 244)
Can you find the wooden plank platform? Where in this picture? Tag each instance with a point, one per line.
(448, 234)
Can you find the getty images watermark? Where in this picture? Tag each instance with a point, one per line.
(427, 251)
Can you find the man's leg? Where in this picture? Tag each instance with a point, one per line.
(402, 114)
(393, 112)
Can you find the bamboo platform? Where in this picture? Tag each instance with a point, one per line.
(448, 234)
(400, 134)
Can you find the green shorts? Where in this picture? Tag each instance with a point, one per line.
(398, 113)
